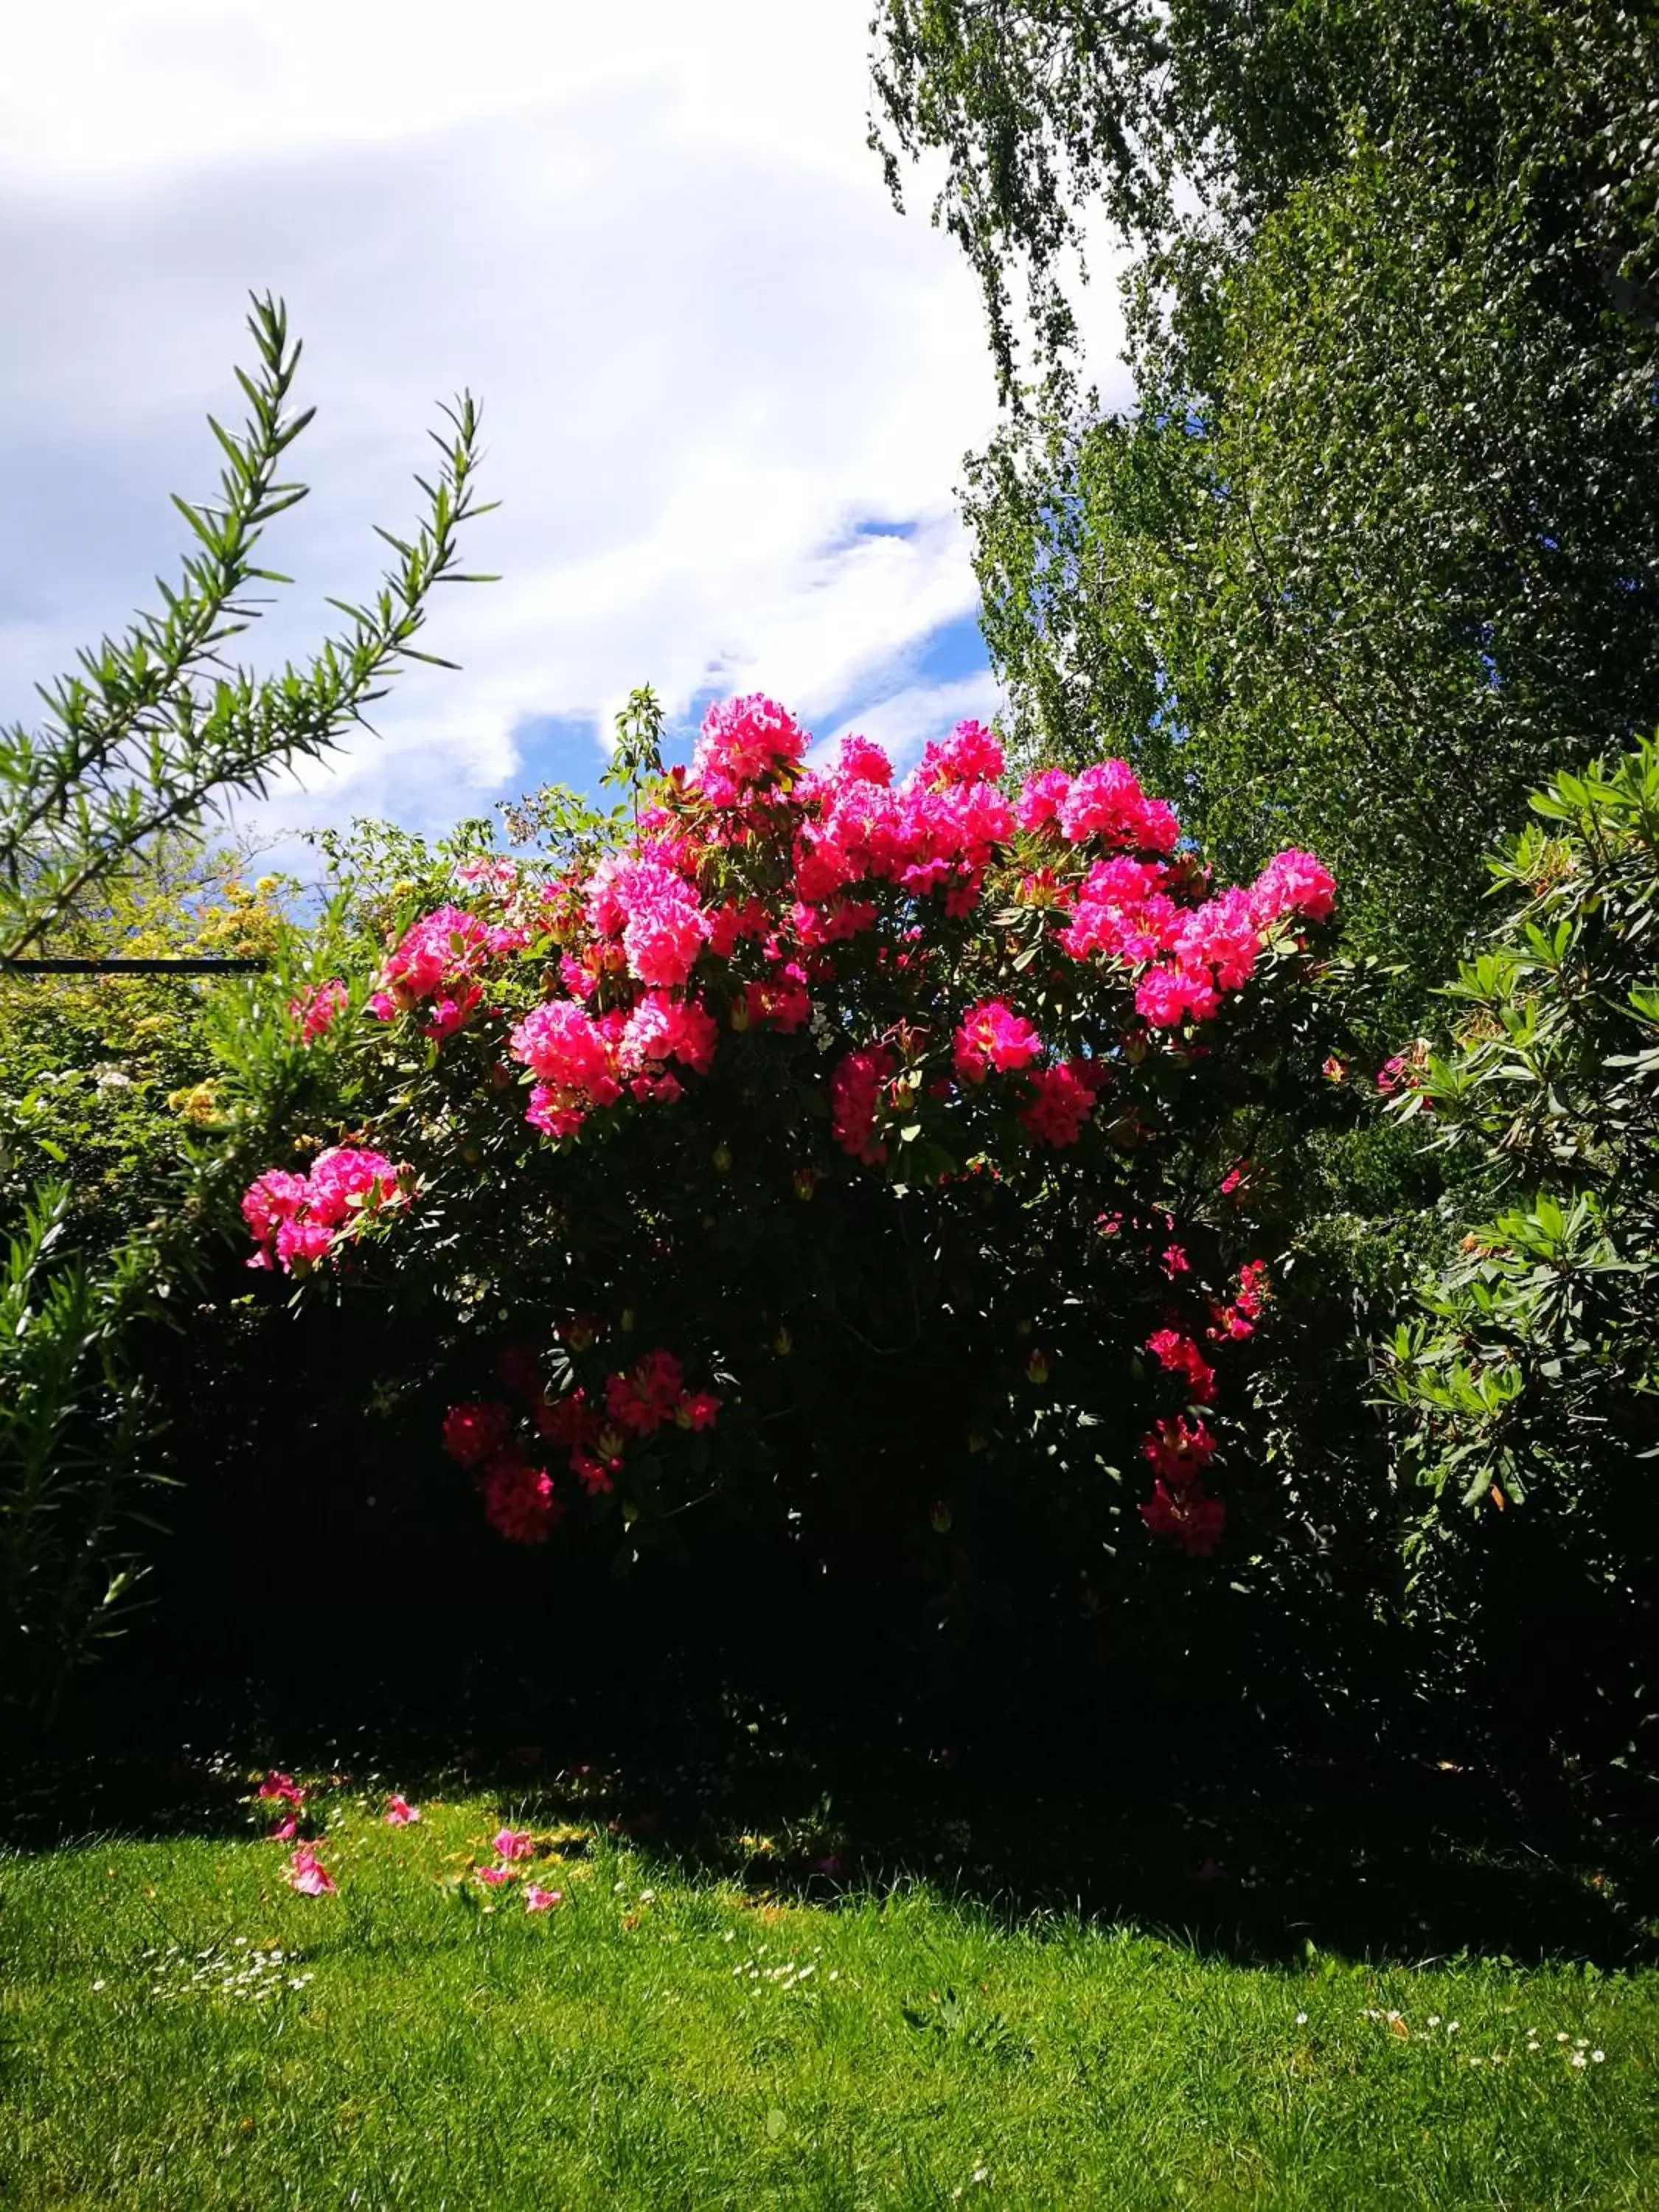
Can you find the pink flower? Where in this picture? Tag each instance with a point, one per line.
(1044, 796)
(744, 743)
(697, 1409)
(664, 927)
(1179, 1450)
(283, 1831)
(970, 754)
(302, 1243)
(536, 1899)
(476, 1430)
(1124, 909)
(346, 1180)
(494, 1876)
(858, 761)
(513, 1843)
(1060, 1102)
(271, 1200)
(518, 1499)
(570, 1421)
(1240, 1317)
(781, 1003)
(1191, 1516)
(306, 1872)
(991, 1034)
(1166, 997)
(399, 1812)
(663, 1028)
(561, 1043)
(442, 948)
(1106, 801)
(488, 872)
(1182, 1356)
(450, 1013)
(315, 1010)
(598, 1477)
(1220, 936)
(854, 1090)
(279, 1789)
(1293, 882)
(644, 1399)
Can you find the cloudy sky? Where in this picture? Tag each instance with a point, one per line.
(727, 389)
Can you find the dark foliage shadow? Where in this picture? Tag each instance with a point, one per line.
(1228, 1838)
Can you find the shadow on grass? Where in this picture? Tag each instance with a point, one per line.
(1234, 1848)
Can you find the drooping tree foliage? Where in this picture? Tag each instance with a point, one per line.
(1378, 546)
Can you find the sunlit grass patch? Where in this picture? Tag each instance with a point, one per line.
(182, 2027)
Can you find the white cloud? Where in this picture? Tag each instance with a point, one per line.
(902, 723)
(652, 236)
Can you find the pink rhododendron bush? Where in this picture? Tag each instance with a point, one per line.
(866, 1156)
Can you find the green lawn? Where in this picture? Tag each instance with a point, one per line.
(179, 2029)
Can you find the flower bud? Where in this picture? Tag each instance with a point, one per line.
(941, 1518)
(1036, 1367)
(783, 1343)
(625, 1321)
(806, 1181)
(721, 1156)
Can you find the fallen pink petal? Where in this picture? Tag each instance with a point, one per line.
(305, 1873)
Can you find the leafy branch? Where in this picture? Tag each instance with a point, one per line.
(158, 729)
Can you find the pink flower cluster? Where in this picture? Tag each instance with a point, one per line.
(1105, 803)
(938, 832)
(440, 959)
(1179, 1450)
(316, 1010)
(485, 1436)
(745, 745)
(990, 1034)
(1062, 1100)
(856, 1091)
(1180, 1506)
(582, 1061)
(1180, 1355)
(297, 1220)
(1190, 958)
(780, 903)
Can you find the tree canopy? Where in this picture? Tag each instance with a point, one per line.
(1377, 547)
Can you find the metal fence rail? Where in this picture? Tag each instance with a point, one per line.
(182, 967)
